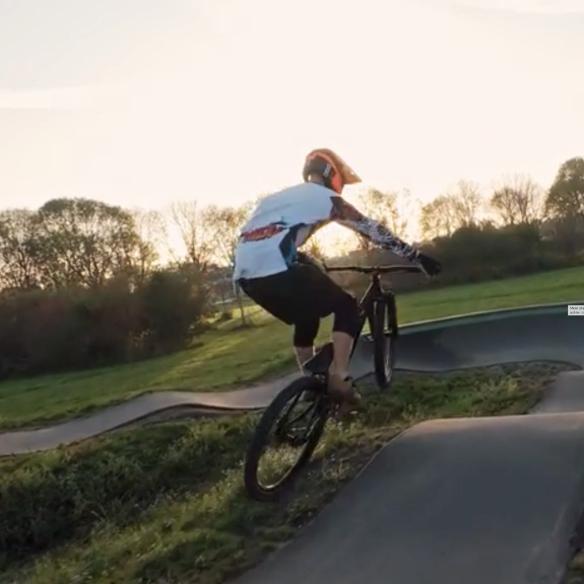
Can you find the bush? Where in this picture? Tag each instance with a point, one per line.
(485, 252)
(55, 497)
(38, 330)
(173, 303)
(470, 254)
(49, 330)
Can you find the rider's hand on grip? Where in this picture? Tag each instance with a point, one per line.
(431, 266)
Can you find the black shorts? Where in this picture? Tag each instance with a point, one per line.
(301, 296)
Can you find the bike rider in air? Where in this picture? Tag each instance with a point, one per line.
(289, 284)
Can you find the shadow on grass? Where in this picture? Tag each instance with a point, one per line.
(166, 503)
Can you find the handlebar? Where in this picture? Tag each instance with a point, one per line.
(376, 269)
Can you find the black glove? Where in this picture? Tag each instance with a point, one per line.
(429, 265)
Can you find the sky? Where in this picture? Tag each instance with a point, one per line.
(141, 102)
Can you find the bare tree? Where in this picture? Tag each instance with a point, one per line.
(71, 242)
(565, 204)
(438, 218)
(223, 226)
(151, 229)
(519, 200)
(467, 203)
(18, 267)
(566, 195)
(408, 214)
(447, 213)
(83, 242)
(381, 207)
(188, 220)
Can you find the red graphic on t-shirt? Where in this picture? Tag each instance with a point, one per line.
(262, 233)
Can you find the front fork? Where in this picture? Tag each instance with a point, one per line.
(392, 314)
(389, 299)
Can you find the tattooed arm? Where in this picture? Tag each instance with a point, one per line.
(345, 214)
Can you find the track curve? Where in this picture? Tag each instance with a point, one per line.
(481, 500)
(502, 336)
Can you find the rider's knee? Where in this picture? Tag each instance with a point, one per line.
(347, 315)
(305, 332)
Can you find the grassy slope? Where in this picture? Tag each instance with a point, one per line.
(165, 503)
(546, 287)
(226, 357)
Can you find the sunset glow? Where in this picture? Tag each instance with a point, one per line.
(140, 103)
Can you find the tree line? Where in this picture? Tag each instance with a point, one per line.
(519, 228)
(82, 242)
(517, 201)
(85, 283)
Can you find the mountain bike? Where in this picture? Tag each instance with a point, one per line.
(291, 426)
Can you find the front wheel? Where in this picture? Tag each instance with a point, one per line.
(285, 438)
(384, 337)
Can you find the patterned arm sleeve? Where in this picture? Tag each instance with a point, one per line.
(345, 214)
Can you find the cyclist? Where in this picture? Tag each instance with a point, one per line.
(292, 286)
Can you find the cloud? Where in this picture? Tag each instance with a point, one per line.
(557, 7)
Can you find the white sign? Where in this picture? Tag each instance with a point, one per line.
(576, 310)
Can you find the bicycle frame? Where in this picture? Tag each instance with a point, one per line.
(375, 291)
(304, 429)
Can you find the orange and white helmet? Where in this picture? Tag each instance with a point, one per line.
(334, 170)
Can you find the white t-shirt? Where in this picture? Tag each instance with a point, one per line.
(285, 220)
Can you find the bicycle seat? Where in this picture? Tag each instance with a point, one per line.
(320, 363)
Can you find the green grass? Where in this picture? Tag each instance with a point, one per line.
(165, 503)
(229, 356)
(575, 573)
(546, 287)
(221, 358)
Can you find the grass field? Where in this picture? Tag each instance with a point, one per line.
(165, 503)
(229, 356)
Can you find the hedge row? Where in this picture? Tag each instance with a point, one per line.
(49, 330)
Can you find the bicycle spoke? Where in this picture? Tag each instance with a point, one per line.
(286, 427)
(285, 445)
(302, 414)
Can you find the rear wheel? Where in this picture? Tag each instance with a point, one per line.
(384, 337)
(285, 438)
